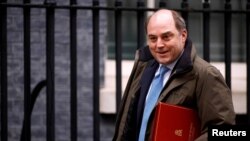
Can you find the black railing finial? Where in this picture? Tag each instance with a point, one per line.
(50, 2)
(118, 3)
(206, 29)
(184, 4)
(162, 4)
(184, 13)
(228, 4)
(206, 4)
(140, 3)
(73, 2)
(248, 5)
(140, 24)
(95, 2)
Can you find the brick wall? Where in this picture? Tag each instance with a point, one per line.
(62, 73)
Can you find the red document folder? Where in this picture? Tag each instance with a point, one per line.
(175, 123)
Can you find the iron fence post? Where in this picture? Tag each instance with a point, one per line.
(96, 78)
(228, 47)
(118, 52)
(73, 72)
(4, 92)
(50, 70)
(206, 30)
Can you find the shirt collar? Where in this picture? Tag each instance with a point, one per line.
(171, 66)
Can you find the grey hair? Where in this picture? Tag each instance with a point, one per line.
(178, 19)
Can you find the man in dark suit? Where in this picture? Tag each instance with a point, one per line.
(187, 80)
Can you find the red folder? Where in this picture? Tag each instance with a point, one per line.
(175, 123)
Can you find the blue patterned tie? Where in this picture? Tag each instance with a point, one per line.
(151, 100)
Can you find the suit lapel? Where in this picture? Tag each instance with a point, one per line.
(172, 84)
(147, 77)
(145, 82)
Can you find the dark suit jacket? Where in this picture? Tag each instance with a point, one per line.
(193, 83)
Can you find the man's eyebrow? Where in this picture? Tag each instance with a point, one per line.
(149, 35)
(167, 33)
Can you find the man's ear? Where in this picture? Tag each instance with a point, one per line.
(184, 35)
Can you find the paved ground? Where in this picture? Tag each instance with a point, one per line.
(107, 94)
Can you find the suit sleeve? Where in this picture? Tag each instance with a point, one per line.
(214, 101)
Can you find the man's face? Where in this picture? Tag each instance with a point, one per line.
(164, 40)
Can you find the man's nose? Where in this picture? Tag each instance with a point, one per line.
(159, 43)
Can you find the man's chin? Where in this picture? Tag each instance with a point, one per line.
(163, 61)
